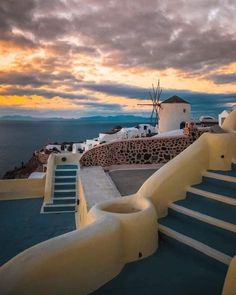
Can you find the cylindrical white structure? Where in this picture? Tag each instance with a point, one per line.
(173, 112)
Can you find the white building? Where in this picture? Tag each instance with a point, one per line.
(108, 136)
(173, 113)
(53, 147)
(222, 116)
(129, 132)
(145, 129)
(78, 147)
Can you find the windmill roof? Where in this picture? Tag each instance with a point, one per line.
(175, 99)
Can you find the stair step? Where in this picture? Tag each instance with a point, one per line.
(64, 176)
(212, 208)
(65, 173)
(60, 187)
(220, 183)
(216, 186)
(231, 173)
(59, 208)
(65, 180)
(213, 196)
(226, 178)
(63, 201)
(220, 239)
(205, 218)
(233, 165)
(64, 194)
(67, 167)
(209, 251)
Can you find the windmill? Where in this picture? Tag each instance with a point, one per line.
(154, 95)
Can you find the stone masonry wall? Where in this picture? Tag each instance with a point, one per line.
(139, 151)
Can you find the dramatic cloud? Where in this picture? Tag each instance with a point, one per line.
(36, 79)
(44, 93)
(155, 34)
(223, 78)
(117, 90)
(109, 52)
(114, 107)
(210, 103)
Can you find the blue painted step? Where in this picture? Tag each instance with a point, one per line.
(64, 194)
(224, 185)
(231, 173)
(65, 180)
(217, 238)
(233, 166)
(209, 207)
(59, 208)
(64, 187)
(213, 187)
(65, 173)
(65, 167)
(64, 201)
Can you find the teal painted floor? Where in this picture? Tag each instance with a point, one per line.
(22, 226)
(175, 269)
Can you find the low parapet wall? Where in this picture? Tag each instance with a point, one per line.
(153, 150)
(135, 151)
(21, 188)
(94, 186)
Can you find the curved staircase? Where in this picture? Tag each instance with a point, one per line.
(206, 219)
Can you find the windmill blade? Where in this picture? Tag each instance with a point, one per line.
(157, 91)
(151, 96)
(152, 114)
(154, 92)
(159, 95)
(157, 116)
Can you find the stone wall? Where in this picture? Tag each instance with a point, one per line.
(139, 151)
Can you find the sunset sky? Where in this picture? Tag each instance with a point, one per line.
(73, 58)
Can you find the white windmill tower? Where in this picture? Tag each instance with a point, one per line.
(173, 114)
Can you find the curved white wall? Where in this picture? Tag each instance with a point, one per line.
(172, 114)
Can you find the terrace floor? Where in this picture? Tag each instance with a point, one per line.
(173, 269)
(22, 226)
(128, 181)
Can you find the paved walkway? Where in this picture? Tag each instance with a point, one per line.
(97, 186)
(129, 181)
(22, 226)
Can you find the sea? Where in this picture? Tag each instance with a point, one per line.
(19, 139)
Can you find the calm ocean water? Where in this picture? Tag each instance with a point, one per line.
(19, 139)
